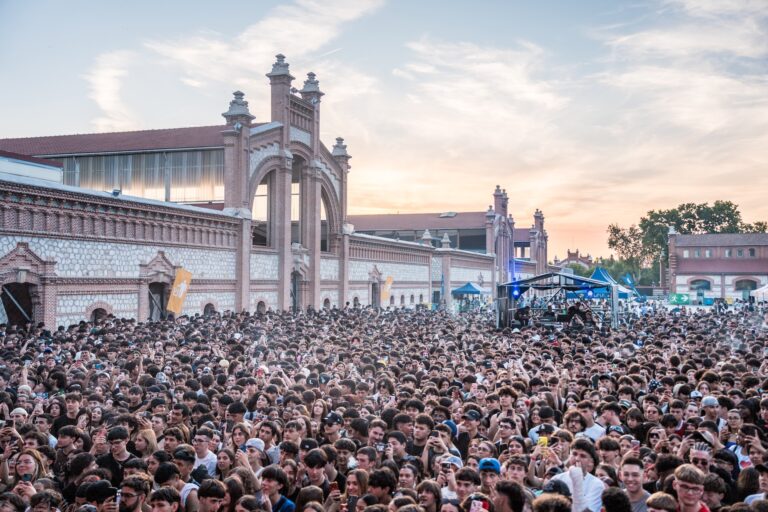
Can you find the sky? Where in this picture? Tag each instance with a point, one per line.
(594, 111)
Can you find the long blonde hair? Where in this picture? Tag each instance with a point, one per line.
(151, 439)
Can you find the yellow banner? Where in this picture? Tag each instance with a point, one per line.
(386, 291)
(179, 291)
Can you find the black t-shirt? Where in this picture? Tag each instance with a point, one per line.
(62, 421)
(114, 466)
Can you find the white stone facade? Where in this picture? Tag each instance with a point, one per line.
(406, 294)
(269, 298)
(195, 302)
(329, 269)
(264, 267)
(437, 269)
(79, 258)
(465, 275)
(332, 296)
(71, 309)
(400, 272)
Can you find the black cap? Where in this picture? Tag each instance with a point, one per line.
(556, 487)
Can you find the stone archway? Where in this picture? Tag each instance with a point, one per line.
(156, 282)
(22, 269)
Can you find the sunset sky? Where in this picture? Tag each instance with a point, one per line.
(594, 111)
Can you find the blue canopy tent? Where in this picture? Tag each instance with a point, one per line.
(602, 275)
(468, 289)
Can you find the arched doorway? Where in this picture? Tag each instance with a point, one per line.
(745, 286)
(98, 315)
(18, 303)
(209, 309)
(261, 307)
(376, 294)
(157, 301)
(327, 304)
(356, 303)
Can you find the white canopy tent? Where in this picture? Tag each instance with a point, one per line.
(761, 293)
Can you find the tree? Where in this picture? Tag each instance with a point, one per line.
(579, 270)
(628, 244)
(645, 244)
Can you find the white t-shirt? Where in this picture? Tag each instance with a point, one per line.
(592, 491)
(209, 461)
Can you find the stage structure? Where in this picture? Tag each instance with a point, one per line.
(552, 289)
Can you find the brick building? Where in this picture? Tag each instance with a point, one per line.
(724, 266)
(575, 258)
(521, 252)
(265, 223)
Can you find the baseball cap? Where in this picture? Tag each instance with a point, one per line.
(489, 464)
(333, 418)
(696, 394)
(455, 461)
(557, 487)
(308, 444)
(616, 428)
(472, 415)
(255, 442)
(709, 401)
(762, 468)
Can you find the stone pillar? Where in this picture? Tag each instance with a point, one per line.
(446, 280)
(280, 85)
(236, 153)
(282, 226)
(311, 230)
(143, 311)
(490, 239)
(243, 267)
(312, 94)
(344, 266)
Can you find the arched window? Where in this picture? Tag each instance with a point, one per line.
(745, 284)
(413, 299)
(325, 245)
(261, 308)
(260, 212)
(209, 309)
(98, 314)
(421, 298)
(402, 300)
(391, 300)
(700, 285)
(327, 304)
(356, 302)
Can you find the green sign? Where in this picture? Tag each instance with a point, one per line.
(679, 299)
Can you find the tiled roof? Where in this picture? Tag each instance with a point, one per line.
(25, 158)
(721, 240)
(417, 221)
(116, 142)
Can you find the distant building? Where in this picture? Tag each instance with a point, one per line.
(490, 232)
(726, 266)
(574, 258)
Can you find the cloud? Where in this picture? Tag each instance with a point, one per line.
(105, 82)
(297, 30)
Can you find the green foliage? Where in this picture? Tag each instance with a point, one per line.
(640, 247)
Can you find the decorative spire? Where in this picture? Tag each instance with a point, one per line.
(311, 91)
(311, 84)
(446, 241)
(490, 214)
(426, 237)
(280, 67)
(340, 149)
(238, 107)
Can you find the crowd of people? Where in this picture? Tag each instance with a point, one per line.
(352, 410)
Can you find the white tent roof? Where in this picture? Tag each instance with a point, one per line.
(761, 293)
